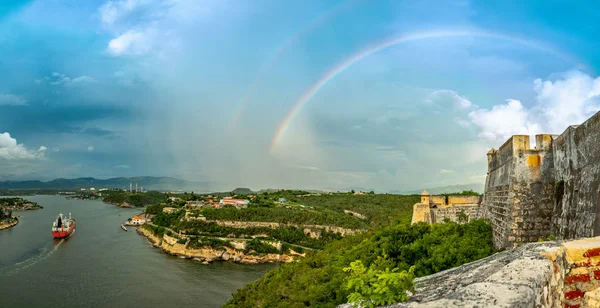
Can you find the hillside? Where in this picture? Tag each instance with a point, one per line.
(148, 182)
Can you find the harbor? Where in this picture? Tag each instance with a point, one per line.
(103, 266)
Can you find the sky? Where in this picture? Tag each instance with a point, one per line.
(330, 94)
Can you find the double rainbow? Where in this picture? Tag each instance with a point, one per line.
(284, 126)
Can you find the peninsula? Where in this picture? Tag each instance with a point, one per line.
(9, 205)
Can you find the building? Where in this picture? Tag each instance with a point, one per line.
(92, 188)
(195, 204)
(435, 209)
(137, 220)
(239, 203)
(170, 210)
(282, 200)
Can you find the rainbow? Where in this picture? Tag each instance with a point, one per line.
(279, 52)
(284, 126)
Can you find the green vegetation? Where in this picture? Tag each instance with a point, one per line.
(372, 286)
(319, 279)
(463, 193)
(291, 235)
(285, 215)
(135, 199)
(260, 247)
(380, 210)
(16, 204)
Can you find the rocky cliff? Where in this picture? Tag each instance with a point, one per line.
(169, 245)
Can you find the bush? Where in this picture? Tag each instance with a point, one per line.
(375, 287)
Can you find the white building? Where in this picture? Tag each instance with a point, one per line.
(138, 220)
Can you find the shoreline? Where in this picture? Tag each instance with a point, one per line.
(170, 246)
(4, 226)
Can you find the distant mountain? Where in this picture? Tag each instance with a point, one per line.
(148, 182)
(476, 187)
(242, 191)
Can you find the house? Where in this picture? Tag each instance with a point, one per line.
(169, 210)
(174, 199)
(281, 200)
(239, 203)
(138, 220)
(195, 203)
(92, 188)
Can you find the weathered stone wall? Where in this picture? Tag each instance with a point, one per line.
(519, 191)
(439, 214)
(532, 184)
(439, 200)
(577, 160)
(498, 196)
(421, 213)
(457, 200)
(549, 274)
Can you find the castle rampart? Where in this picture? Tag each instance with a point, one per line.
(552, 189)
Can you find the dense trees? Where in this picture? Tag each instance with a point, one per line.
(319, 279)
(285, 215)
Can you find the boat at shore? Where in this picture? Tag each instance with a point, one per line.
(123, 227)
(63, 227)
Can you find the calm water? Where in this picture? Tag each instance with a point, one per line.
(103, 266)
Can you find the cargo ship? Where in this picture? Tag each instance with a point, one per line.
(63, 227)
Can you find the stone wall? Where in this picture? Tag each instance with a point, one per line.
(421, 213)
(577, 160)
(439, 214)
(519, 191)
(457, 200)
(547, 274)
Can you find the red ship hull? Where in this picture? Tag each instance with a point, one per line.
(64, 233)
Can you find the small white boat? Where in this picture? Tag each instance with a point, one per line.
(123, 227)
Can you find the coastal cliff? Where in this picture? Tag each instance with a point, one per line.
(10, 224)
(170, 245)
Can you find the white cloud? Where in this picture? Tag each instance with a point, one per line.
(12, 100)
(82, 79)
(62, 79)
(90, 148)
(123, 166)
(446, 171)
(11, 150)
(312, 168)
(130, 42)
(113, 11)
(141, 26)
(566, 101)
(55, 149)
(440, 97)
(503, 121)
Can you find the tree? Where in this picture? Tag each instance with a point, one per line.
(462, 217)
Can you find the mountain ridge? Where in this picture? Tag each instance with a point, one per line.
(148, 182)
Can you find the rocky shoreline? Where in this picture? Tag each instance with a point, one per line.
(4, 225)
(206, 255)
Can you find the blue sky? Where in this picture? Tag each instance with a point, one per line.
(198, 89)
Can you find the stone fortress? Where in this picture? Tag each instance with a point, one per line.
(434, 209)
(552, 189)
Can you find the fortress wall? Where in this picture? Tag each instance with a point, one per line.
(421, 213)
(498, 198)
(439, 200)
(456, 200)
(533, 196)
(577, 156)
(439, 214)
